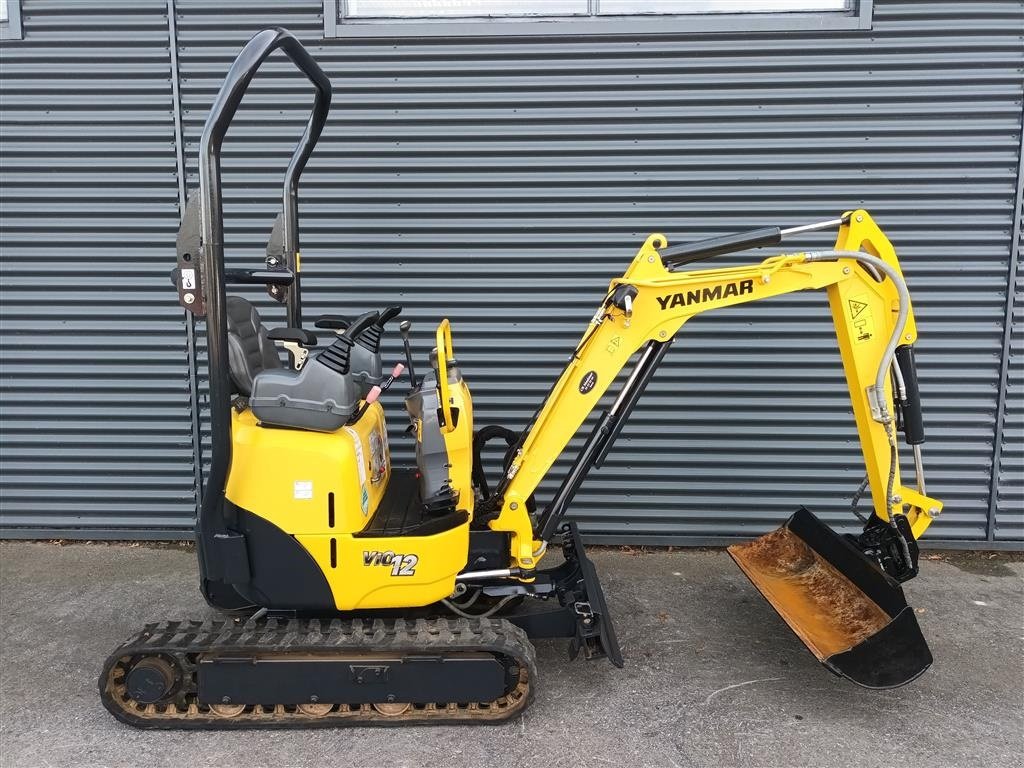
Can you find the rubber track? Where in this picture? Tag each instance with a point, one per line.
(185, 641)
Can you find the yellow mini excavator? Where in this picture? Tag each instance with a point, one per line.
(358, 593)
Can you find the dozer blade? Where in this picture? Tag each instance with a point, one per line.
(849, 613)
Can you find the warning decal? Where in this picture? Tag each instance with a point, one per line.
(357, 444)
(862, 320)
(856, 307)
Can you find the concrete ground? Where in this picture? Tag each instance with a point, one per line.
(713, 677)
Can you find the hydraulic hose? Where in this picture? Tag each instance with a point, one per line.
(485, 615)
(876, 394)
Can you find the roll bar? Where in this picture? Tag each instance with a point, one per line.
(248, 61)
(222, 112)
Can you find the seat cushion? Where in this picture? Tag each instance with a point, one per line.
(249, 349)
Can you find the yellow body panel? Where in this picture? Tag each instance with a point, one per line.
(288, 477)
(413, 570)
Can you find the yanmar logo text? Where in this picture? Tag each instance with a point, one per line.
(702, 295)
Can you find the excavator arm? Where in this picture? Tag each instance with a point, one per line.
(647, 306)
(840, 595)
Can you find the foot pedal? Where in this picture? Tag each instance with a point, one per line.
(851, 615)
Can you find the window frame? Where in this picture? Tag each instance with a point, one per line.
(858, 17)
(12, 29)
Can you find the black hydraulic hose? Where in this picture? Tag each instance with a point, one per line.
(209, 521)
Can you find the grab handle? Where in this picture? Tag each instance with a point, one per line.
(444, 354)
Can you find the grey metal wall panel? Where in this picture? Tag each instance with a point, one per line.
(501, 182)
(1009, 517)
(96, 433)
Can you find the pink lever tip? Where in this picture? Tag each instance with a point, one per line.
(373, 394)
(399, 367)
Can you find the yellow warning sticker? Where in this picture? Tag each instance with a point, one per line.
(861, 318)
(856, 307)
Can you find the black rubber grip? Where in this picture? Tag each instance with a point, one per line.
(333, 322)
(387, 314)
(360, 324)
(300, 335)
(913, 420)
(715, 246)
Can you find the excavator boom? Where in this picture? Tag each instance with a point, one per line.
(840, 595)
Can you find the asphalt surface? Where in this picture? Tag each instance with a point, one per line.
(713, 677)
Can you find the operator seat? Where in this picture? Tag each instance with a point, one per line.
(250, 350)
(321, 396)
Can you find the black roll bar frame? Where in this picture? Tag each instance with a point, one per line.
(210, 522)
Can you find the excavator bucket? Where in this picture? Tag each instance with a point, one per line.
(847, 611)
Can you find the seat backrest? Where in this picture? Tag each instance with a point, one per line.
(249, 349)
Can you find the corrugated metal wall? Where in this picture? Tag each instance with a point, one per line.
(502, 181)
(1008, 522)
(96, 406)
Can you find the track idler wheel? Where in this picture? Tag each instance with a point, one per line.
(151, 679)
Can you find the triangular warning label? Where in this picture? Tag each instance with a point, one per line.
(856, 307)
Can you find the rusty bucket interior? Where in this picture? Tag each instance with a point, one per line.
(851, 615)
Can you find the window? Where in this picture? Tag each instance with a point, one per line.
(719, 6)
(10, 19)
(392, 18)
(448, 9)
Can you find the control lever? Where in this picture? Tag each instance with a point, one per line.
(404, 327)
(389, 313)
(376, 391)
(336, 356)
(359, 325)
(370, 338)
